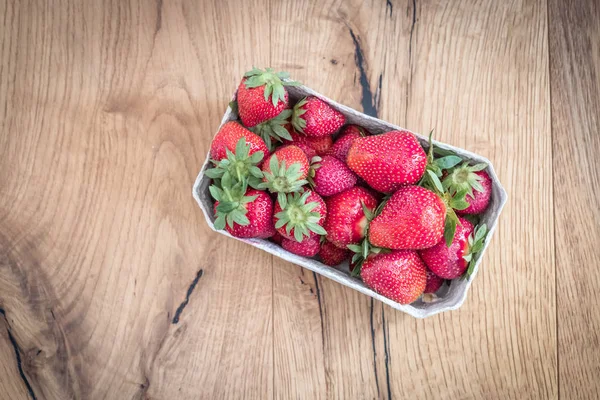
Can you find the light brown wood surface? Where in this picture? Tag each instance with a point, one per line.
(113, 287)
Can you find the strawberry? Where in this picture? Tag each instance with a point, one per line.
(228, 137)
(434, 282)
(342, 145)
(285, 171)
(331, 254)
(413, 218)
(387, 161)
(320, 144)
(475, 181)
(276, 238)
(313, 117)
(309, 151)
(309, 247)
(399, 275)
(332, 176)
(300, 215)
(450, 262)
(244, 213)
(262, 95)
(274, 129)
(238, 166)
(346, 222)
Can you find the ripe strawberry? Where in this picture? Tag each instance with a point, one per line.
(309, 247)
(388, 161)
(228, 137)
(276, 238)
(466, 178)
(399, 275)
(342, 145)
(346, 222)
(413, 218)
(320, 144)
(452, 261)
(262, 95)
(305, 147)
(243, 213)
(313, 117)
(300, 215)
(332, 255)
(238, 166)
(434, 282)
(285, 171)
(332, 176)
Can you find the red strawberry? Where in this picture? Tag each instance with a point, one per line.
(238, 166)
(434, 282)
(452, 262)
(332, 176)
(342, 145)
(475, 181)
(309, 247)
(276, 238)
(313, 117)
(399, 275)
(346, 222)
(320, 144)
(332, 255)
(229, 135)
(262, 95)
(388, 161)
(305, 147)
(244, 214)
(285, 171)
(413, 218)
(299, 215)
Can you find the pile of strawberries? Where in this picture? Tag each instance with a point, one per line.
(407, 219)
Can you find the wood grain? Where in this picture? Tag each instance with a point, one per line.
(575, 84)
(112, 285)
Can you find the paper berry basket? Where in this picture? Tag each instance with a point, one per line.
(450, 297)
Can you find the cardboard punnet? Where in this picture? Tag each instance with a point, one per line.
(450, 297)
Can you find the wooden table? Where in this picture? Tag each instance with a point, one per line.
(113, 287)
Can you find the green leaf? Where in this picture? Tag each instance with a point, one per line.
(220, 222)
(449, 230)
(282, 199)
(436, 181)
(240, 219)
(297, 235)
(480, 233)
(354, 248)
(365, 248)
(215, 192)
(368, 213)
(316, 228)
(458, 204)
(214, 173)
(478, 167)
(448, 162)
(234, 106)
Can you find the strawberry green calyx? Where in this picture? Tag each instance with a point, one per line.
(299, 123)
(272, 81)
(238, 167)
(431, 180)
(476, 241)
(298, 215)
(282, 179)
(232, 204)
(314, 166)
(274, 129)
(464, 178)
(363, 250)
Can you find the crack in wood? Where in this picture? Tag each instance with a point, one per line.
(390, 6)
(386, 352)
(374, 350)
(410, 40)
(15, 346)
(368, 105)
(187, 296)
(320, 308)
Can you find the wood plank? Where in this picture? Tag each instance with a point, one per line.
(106, 263)
(339, 347)
(479, 76)
(575, 83)
(11, 382)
